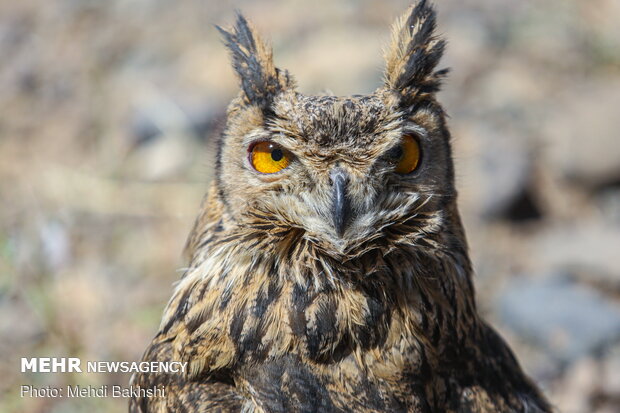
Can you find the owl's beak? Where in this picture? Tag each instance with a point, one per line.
(339, 179)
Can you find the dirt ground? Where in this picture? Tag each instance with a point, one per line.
(108, 112)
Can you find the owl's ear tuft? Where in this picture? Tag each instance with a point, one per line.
(414, 52)
(252, 59)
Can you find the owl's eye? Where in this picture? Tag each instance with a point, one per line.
(268, 157)
(406, 156)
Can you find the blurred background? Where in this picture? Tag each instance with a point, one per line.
(108, 112)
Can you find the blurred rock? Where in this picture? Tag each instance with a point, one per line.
(200, 123)
(610, 386)
(166, 157)
(566, 319)
(606, 283)
(581, 131)
(609, 202)
(579, 383)
(165, 135)
(142, 128)
(501, 173)
(56, 244)
(586, 243)
(524, 207)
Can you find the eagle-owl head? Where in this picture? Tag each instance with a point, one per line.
(344, 171)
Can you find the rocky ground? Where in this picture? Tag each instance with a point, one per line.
(107, 116)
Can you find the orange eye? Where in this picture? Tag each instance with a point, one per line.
(406, 156)
(268, 157)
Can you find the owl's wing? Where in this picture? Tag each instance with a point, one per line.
(498, 383)
(217, 394)
(286, 385)
(207, 220)
(196, 395)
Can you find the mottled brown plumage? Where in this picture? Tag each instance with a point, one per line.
(335, 284)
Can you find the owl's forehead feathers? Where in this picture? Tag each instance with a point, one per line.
(329, 121)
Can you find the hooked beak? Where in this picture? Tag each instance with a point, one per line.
(339, 179)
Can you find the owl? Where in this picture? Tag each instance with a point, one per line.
(329, 269)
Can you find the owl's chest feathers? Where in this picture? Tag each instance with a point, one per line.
(375, 312)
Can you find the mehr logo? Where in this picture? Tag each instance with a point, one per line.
(51, 365)
(73, 364)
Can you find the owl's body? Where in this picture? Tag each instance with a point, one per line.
(333, 275)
